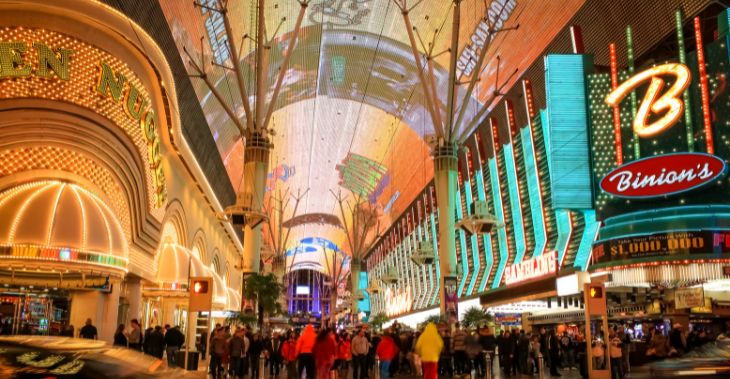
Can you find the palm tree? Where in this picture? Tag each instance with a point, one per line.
(378, 320)
(475, 316)
(266, 289)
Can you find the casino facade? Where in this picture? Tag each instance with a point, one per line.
(98, 217)
(606, 163)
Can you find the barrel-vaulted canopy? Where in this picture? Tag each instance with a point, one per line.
(351, 115)
(58, 221)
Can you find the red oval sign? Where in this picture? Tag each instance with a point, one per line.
(663, 175)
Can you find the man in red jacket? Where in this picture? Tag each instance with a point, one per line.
(289, 353)
(304, 347)
(386, 351)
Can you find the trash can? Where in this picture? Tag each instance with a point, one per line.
(193, 358)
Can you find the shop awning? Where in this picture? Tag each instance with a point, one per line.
(532, 290)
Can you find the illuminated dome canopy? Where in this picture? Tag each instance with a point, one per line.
(175, 262)
(59, 221)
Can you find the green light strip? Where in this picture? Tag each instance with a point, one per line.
(462, 242)
(685, 96)
(473, 240)
(434, 233)
(422, 273)
(486, 238)
(630, 58)
(499, 213)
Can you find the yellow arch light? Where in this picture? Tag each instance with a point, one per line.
(670, 102)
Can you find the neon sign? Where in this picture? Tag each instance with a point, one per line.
(670, 102)
(398, 301)
(542, 265)
(663, 175)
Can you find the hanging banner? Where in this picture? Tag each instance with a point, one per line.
(451, 295)
(689, 298)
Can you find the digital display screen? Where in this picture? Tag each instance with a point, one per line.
(302, 290)
(351, 116)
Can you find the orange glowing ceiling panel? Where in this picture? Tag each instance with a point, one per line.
(351, 114)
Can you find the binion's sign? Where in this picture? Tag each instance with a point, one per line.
(663, 175)
(666, 174)
(537, 267)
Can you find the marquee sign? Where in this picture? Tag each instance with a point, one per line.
(538, 267)
(662, 244)
(669, 102)
(663, 175)
(46, 64)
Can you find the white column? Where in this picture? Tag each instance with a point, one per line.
(84, 305)
(109, 305)
(134, 298)
(101, 308)
(168, 312)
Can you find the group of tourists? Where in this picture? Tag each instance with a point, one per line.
(157, 341)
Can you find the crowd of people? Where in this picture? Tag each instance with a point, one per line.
(324, 353)
(157, 341)
(432, 351)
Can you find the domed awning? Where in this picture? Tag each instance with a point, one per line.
(233, 301)
(175, 264)
(54, 226)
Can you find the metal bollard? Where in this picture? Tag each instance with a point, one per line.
(262, 367)
(488, 365)
(540, 366)
(376, 374)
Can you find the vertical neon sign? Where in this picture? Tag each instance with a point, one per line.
(704, 87)
(616, 110)
(540, 245)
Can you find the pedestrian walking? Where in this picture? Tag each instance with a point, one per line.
(386, 351)
(119, 338)
(428, 347)
(304, 349)
(325, 352)
(238, 347)
(174, 339)
(289, 355)
(360, 347)
(134, 337)
(88, 331)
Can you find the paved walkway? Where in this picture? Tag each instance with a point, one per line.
(637, 373)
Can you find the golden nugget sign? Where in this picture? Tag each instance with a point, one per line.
(16, 62)
(542, 265)
(136, 106)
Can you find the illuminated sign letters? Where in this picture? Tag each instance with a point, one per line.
(12, 64)
(398, 301)
(543, 265)
(497, 12)
(50, 61)
(670, 102)
(663, 175)
(662, 244)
